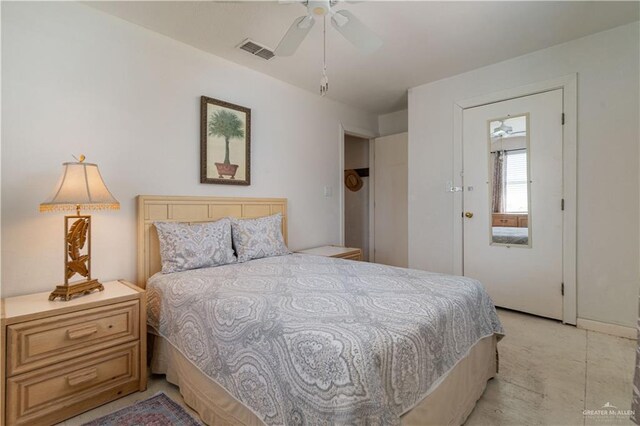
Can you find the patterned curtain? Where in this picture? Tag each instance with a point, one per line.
(497, 200)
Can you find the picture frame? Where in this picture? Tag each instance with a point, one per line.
(225, 142)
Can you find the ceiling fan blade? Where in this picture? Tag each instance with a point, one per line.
(355, 31)
(294, 36)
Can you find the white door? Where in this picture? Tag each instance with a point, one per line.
(390, 200)
(512, 202)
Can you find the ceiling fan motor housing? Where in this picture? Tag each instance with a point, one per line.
(318, 7)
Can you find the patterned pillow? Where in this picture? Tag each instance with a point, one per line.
(256, 238)
(186, 246)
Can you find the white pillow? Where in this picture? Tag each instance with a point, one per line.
(257, 238)
(186, 246)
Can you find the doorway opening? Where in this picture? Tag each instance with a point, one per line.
(373, 194)
(357, 193)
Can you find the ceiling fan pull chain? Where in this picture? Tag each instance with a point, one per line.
(324, 81)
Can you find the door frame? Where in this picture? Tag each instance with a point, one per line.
(569, 86)
(345, 129)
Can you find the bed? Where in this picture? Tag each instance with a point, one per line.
(510, 235)
(302, 339)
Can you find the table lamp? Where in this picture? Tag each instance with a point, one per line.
(80, 188)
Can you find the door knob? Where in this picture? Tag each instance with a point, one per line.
(468, 215)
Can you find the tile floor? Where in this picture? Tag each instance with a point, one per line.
(549, 374)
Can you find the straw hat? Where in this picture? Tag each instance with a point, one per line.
(352, 180)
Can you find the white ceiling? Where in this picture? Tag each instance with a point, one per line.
(423, 41)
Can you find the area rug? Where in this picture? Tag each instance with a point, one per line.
(159, 410)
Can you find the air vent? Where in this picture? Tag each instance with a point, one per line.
(256, 49)
(265, 54)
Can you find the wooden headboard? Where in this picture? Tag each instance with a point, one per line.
(153, 208)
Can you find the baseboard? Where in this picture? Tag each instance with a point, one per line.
(603, 327)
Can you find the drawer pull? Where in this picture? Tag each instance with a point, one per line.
(83, 377)
(80, 332)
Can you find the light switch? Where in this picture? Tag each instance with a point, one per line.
(328, 191)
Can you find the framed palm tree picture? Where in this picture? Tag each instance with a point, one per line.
(225, 141)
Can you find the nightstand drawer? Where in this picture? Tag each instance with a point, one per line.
(48, 395)
(354, 256)
(38, 343)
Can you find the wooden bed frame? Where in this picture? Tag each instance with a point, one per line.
(440, 405)
(163, 208)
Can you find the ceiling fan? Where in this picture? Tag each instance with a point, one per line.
(504, 130)
(344, 21)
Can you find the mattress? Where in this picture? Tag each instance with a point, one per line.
(510, 235)
(303, 339)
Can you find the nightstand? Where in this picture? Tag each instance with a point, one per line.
(335, 251)
(63, 358)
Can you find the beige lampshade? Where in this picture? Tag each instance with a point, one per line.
(80, 187)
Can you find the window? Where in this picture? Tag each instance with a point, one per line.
(516, 197)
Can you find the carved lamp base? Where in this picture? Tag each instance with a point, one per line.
(66, 292)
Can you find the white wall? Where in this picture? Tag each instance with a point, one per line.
(608, 193)
(76, 80)
(393, 123)
(356, 204)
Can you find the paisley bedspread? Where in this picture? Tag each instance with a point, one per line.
(303, 339)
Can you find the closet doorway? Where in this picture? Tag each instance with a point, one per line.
(513, 205)
(374, 191)
(358, 193)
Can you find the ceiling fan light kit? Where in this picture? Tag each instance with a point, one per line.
(318, 8)
(350, 27)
